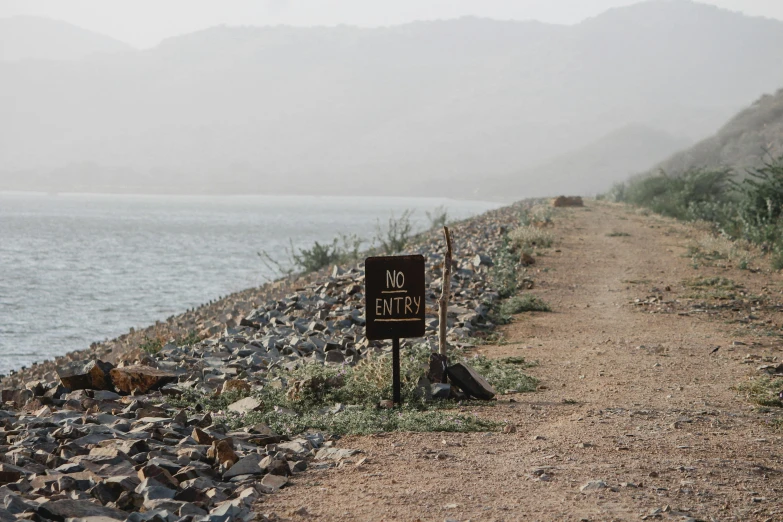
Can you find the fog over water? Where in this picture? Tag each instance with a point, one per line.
(81, 268)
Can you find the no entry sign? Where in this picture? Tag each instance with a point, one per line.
(394, 289)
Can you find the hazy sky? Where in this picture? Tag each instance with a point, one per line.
(144, 23)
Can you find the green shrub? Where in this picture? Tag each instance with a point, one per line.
(760, 211)
(439, 217)
(777, 259)
(396, 235)
(317, 257)
(523, 303)
(750, 209)
(695, 194)
(343, 249)
(152, 345)
(503, 274)
(763, 391)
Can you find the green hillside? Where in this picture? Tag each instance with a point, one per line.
(746, 141)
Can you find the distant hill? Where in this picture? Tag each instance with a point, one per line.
(747, 140)
(594, 168)
(427, 108)
(37, 38)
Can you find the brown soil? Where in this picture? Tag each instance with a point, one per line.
(631, 395)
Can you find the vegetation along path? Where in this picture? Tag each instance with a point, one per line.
(639, 414)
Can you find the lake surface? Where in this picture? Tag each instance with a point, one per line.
(75, 269)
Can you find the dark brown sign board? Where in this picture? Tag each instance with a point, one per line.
(394, 291)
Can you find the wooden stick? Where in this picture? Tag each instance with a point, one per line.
(443, 302)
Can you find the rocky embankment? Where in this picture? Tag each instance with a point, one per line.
(95, 434)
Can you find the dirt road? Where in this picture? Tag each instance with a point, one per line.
(637, 417)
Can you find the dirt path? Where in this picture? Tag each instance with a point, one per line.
(630, 398)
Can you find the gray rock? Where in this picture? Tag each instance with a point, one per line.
(59, 510)
(163, 504)
(92, 375)
(246, 405)
(335, 356)
(245, 466)
(482, 260)
(593, 485)
(16, 505)
(274, 482)
(470, 381)
(190, 509)
(440, 390)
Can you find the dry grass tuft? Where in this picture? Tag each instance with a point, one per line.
(529, 236)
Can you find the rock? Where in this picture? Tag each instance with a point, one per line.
(437, 368)
(222, 452)
(93, 375)
(335, 356)
(190, 509)
(235, 385)
(593, 485)
(151, 472)
(482, 260)
(568, 201)
(59, 510)
(275, 465)
(245, 466)
(8, 475)
(470, 381)
(16, 505)
(246, 405)
(274, 482)
(201, 437)
(335, 453)
(141, 378)
(441, 390)
(424, 389)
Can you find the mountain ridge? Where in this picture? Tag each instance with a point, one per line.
(26, 37)
(748, 140)
(439, 107)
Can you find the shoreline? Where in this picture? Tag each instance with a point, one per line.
(240, 277)
(204, 320)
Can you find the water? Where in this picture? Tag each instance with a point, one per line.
(75, 269)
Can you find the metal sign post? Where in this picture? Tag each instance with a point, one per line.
(394, 292)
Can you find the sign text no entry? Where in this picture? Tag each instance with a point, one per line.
(394, 290)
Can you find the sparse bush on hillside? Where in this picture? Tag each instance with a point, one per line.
(343, 249)
(760, 211)
(396, 235)
(750, 209)
(697, 194)
(438, 217)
